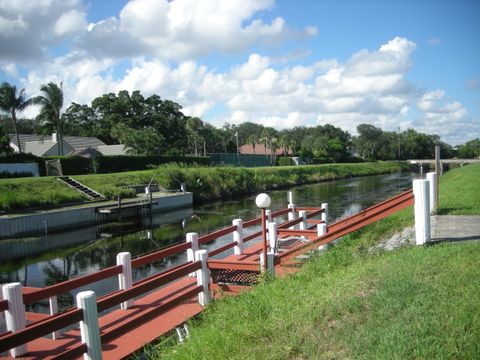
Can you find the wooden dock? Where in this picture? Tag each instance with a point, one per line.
(164, 301)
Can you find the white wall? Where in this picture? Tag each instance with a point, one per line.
(19, 168)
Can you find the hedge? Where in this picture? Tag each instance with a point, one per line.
(120, 163)
(73, 165)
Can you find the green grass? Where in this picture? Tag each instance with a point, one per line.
(207, 183)
(29, 192)
(355, 303)
(460, 191)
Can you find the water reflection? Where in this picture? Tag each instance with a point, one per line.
(47, 260)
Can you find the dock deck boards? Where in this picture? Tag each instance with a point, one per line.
(124, 346)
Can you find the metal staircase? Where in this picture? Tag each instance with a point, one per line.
(84, 190)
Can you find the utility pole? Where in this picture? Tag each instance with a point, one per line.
(399, 143)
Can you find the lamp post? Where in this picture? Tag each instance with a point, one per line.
(263, 202)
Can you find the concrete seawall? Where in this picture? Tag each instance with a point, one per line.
(39, 223)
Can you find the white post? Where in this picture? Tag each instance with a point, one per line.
(125, 277)
(268, 214)
(268, 220)
(53, 310)
(290, 197)
(432, 178)
(325, 213)
(193, 239)
(15, 315)
(322, 230)
(272, 231)
(422, 211)
(291, 214)
(203, 278)
(271, 262)
(89, 329)
(238, 236)
(303, 224)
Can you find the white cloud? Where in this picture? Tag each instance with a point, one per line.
(28, 28)
(449, 119)
(185, 29)
(70, 22)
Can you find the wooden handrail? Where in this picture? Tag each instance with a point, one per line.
(205, 239)
(222, 249)
(39, 329)
(158, 255)
(146, 286)
(352, 223)
(232, 265)
(63, 287)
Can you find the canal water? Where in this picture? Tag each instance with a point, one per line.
(46, 260)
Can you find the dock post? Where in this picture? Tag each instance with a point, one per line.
(325, 213)
(271, 262)
(322, 230)
(203, 278)
(422, 211)
(125, 277)
(268, 215)
(53, 305)
(432, 178)
(89, 329)
(291, 214)
(238, 236)
(192, 238)
(303, 215)
(15, 315)
(290, 197)
(272, 231)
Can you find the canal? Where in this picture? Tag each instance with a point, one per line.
(44, 261)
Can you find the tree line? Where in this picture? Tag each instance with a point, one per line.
(155, 126)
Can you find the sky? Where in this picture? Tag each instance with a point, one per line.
(393, 64)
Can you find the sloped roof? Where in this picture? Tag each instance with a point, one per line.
(112, 149)
(38, 148)
(86, 153)
(76, 142)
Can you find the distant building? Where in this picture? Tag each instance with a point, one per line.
(261, 149)
(45, 145)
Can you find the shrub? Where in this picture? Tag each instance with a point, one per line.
(284, 161)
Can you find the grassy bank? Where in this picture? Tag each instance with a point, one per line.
(460, 191)
(207, 183)
(350, 302)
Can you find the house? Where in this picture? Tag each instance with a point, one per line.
(44, 145)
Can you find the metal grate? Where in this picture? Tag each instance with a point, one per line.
(237, 277)
(290, 242)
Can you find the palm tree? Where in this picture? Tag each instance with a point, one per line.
(11, 102)
(51, 102)
(194, 124)
(252, 140)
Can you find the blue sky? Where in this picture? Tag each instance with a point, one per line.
(407, 64)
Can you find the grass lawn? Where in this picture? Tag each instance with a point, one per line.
(460, 191)
(353, 303)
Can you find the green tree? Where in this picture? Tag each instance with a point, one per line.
(252, 140)
(5, 148)
(50, 117)
(11, 102)
(469, 150)
(368, 142)
(139, 141)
